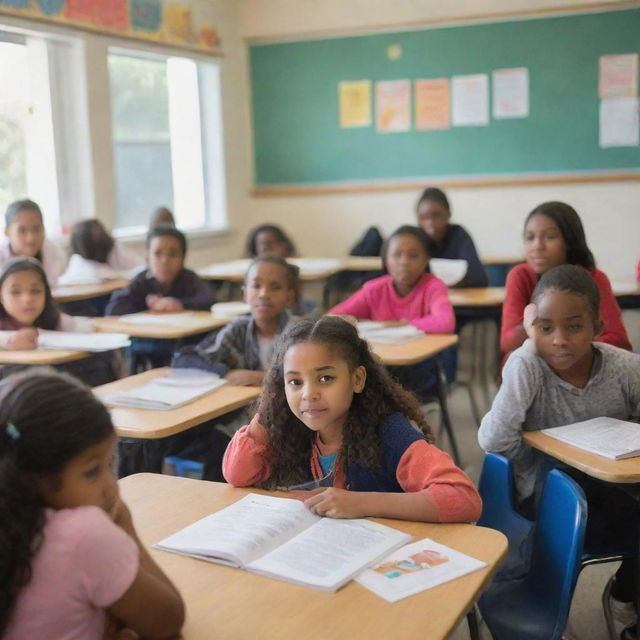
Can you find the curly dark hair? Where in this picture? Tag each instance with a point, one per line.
(290, 441)
(250, 245)
(46, 419)
(50, 316)
(91, 240)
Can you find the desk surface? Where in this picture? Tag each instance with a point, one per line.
(414, 351)
(230, 604)
(75, 292)
(622, 471)
(625, 288)
(195, 322)
(310, 269)
(477, 297)
(41, 357)
(147, 423)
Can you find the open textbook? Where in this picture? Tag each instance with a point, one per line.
(416, 567)
(178, 388)
(378, 332)
(81, 341)
(281, 538)
(182, 319)
(607, 437)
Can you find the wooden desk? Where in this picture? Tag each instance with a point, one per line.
(41, 357)
(477, 297)
(75, 292)
(618, 471)
(231, 604)
(195, 322)
(501, 260)
(629, 288)
(310, 269)
(415, 351)
(150, 424)
(362, 263)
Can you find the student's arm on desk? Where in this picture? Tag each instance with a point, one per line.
(438, 313)
(217, 353)
(198, 295)
(20, 340)
(246, 462)
(356, 305)
(435, 490)
(501, 429)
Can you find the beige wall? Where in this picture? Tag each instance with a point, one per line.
(328, 225)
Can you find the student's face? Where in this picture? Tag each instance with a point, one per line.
(23, 297)
(86, 480)
(267, 290)
(319, 387)
(433, 217)
(26, 234)
(165, 258)
(543, 244)
(268, 242)
(564, 330)
(406, 260)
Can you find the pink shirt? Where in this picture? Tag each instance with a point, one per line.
(426, 307)
(85, 564)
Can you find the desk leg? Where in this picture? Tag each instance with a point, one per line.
(441, 390)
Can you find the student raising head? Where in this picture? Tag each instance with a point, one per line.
(329, 415)
(166, 286)
(71, 557)
(242, 350)
(96, 256)
(563, 374)
(26, 305)
(269, 238)
(25, 236)
(553, 235)
(450, 241)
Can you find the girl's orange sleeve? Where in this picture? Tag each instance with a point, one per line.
(246, 461)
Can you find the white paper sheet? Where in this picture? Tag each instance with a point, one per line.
(186, 319)
(470, 100)
(82, 341)
(378, 333)
(511, 93)
(619, 122)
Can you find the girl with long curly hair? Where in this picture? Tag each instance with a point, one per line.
(330, 418)
(69, 554)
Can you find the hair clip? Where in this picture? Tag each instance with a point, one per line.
(12, 431)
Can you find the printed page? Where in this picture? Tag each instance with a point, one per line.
(188, 378)
(416, 567)
(330, 553)
(608, 437)
(378, 333)
(184, 319)
(244, 531)
(82, 341)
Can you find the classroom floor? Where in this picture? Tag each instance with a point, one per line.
(586, 618)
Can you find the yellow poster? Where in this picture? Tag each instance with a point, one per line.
(432, 104)
(355, 104)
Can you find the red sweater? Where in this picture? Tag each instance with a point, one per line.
(521, 282)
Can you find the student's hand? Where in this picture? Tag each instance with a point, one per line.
(23, 339)
(121, 516)
(245, 378)
(335, 503)
(163, 304)
(530, 316)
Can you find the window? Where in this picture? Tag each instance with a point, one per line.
(165, 153)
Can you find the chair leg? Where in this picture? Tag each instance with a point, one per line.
(472, 622)
(608, 614)
(441, 390)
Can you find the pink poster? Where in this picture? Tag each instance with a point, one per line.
(432, 104)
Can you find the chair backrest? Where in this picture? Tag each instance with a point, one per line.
(497, 490)
(557, 546)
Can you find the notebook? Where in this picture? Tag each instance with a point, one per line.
(81, 341)
(378, 333)
(183, 319)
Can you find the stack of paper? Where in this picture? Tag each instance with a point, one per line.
(82, 341)
(378, 333)
(607, 437)
(162, 396)
(183, 319)
(230, 309)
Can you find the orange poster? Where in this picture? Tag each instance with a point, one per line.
(432, 104)
(112, 14)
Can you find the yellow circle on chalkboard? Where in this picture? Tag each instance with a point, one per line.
(394, 51)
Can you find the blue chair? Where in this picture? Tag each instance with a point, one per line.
(537, 606)
(185, 468)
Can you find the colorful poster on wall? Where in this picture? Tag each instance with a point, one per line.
(470, 100)
(177, 22)
(354, 99)
(15, 4)
(432, 104)
(511, 93)
(618, 76)
(146, 15)
(393, 106)
(51, 7)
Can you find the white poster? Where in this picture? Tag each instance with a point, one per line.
(470, 100)
(511, 93)
(619, 126)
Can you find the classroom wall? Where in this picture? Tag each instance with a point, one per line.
(329, 224)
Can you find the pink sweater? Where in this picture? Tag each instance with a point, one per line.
(426, 307)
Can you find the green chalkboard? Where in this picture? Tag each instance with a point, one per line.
(295, 102)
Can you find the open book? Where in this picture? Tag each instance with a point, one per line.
(281, 538)
(180, 387)
(416, 567)
(607, 437)
(378, 333)
(81, 341)
(181, 319)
